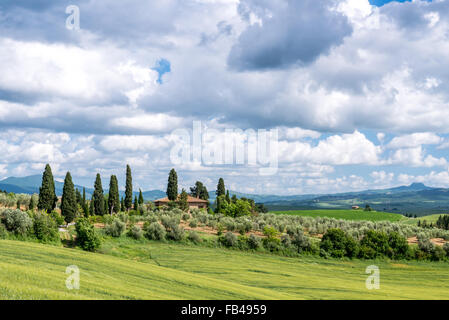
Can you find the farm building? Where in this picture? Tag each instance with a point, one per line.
(355, 207)
(194, 203)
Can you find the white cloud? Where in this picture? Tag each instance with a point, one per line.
(414, 140)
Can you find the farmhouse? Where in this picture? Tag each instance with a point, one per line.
(355, 207)
(194, 203)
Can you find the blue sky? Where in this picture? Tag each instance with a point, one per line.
(353, 108)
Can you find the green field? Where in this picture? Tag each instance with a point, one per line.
(429, 219)
(151, 270)
(346, 214)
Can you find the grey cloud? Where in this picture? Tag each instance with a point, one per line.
(292, 33)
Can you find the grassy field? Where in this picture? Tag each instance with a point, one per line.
(127, 269)
(346, 214)
(429, 219)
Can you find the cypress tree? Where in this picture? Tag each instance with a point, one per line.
(18, 204)
(78, 196)
(47, 195)
(136, 203)
(183, 203)
(228, 198)
(114, 197)
(68, 202)
(122, 205)
(98, 197)
(106, 205)
(221, 191)
(84, 204)
(199, 191)
(128, 188)
(32, 204)
(91, 207)
(141, 201)
(172, 186)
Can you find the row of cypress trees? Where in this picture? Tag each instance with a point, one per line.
(99, 204)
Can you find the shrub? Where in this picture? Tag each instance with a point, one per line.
(254, 242)
(135, 232)
(270, 232)
(438, 253)
(87, 237)
(338, 244)
(155, 231)
(185, 216)
(176, 233)
(45, 228)
(399, 246)
(17, 222)
(446, 248)
(425, 245)
(194, 237)
(374, 244)
(271, 244)
(116, 228)
(3, 232)
(229, 239)
(58, 218)
(301, 242)
(193, 223)
(286, 241)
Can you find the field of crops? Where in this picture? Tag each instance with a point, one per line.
(151, 270)
(346, 214)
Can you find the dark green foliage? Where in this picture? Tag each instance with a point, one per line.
(221, 204)
(336, 243)
(443, 222)
(87, 237)
(45, 228)
(128, 189)
(399, 246)
(374, 244)
(32, 203)
(122, 205)
(172, 186)
(136, 204)
(91, 207)
(183, 203)
(301, 242)
(199, 191)
(260, 207)
(106, 205)
(47, 195)
(114, 198)
(98, 197)
(17, 222)
(57, 217)
(79, 199)
(228, 198)
(84, 205)
(221, 190)
(69, 207)
(254, 242)
(141, 200)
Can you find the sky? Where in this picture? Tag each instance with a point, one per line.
(357, 90)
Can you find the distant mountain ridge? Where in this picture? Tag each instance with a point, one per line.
(31, 184)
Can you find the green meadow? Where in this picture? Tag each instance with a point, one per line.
(128, 269)
(346, 214)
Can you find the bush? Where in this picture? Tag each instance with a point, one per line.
(446, 248)
(193, 223)
(301, 242)
(399, 246)
(3, 232)
(254, 242)
(17, 222)
(58, 218)
(229, 239)
(337, 244)
(116, 228)
(155, 231)
(87, 237)
(45, 228)
(135, 232)
(185, 216)
(194, 237)
(176, 233)
(374, 244)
